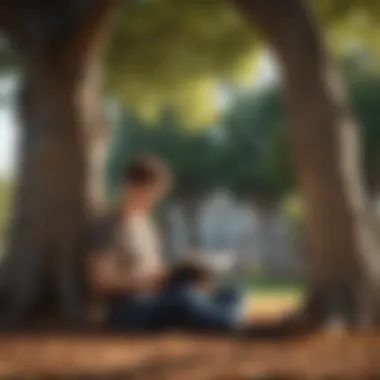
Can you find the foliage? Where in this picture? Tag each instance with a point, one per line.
(251, 155)
(178, 52)
(365, 100)
(191, 155)
(294, 209)
(256, 146)
(246, 154)
(184, 63)
(258, 139)
(175, 52)
(168, 52)
(6, 192)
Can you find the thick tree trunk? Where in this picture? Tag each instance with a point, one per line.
(50, 210)
(43, 267)
(97, 142)
(344, 257)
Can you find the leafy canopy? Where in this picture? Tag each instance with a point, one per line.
(170, 52)
(176, 52)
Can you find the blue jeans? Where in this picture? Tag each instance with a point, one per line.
(134, 313)
(182, 307)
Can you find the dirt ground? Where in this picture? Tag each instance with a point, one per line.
(178, 357)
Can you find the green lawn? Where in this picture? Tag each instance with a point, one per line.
(273, 284)
(265, 284)
(270, 297)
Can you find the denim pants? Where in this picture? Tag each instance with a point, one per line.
(181, 307)
(134, 313)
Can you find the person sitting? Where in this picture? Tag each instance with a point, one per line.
(127, 265)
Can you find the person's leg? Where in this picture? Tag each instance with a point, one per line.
(231, 300)
(133, 313)
(192, 308)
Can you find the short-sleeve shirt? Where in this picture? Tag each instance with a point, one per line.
(140, 245)
(133, 240)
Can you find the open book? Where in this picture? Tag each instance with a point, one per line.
(221, 262)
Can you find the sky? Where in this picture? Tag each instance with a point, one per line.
(8, 143)
(9, 133)
(8, 128)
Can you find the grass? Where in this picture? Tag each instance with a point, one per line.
(269, 297)
(271, 305)
(273, 284)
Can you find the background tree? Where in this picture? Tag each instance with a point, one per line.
(149, 65)
(324, 141)
(169, 52)
(254, 141)
(164, 51)
(365, 100)
(252, 161)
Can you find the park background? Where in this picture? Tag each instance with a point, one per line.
(193, 82)
(206, 96)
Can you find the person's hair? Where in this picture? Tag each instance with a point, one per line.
(147, 171)
(190, 272)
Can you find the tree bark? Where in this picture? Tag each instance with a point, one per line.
(97, 136)
(50, 215)
(43, 266)
(344, 247)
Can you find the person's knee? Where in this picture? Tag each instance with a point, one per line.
(229, 295)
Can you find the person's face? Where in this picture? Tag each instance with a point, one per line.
(145, 197)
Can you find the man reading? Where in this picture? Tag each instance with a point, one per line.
(127, 265)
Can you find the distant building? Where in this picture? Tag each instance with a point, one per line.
(229, 225)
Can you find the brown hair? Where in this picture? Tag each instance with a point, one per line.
(147, 171)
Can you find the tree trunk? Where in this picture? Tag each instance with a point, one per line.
(44, 266)
(50, 215)
(97, 142)
(344, 247)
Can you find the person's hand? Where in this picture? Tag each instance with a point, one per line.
(101, 270)
(152, 282)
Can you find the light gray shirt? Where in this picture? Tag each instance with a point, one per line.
(134, 241)
(139, 244)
